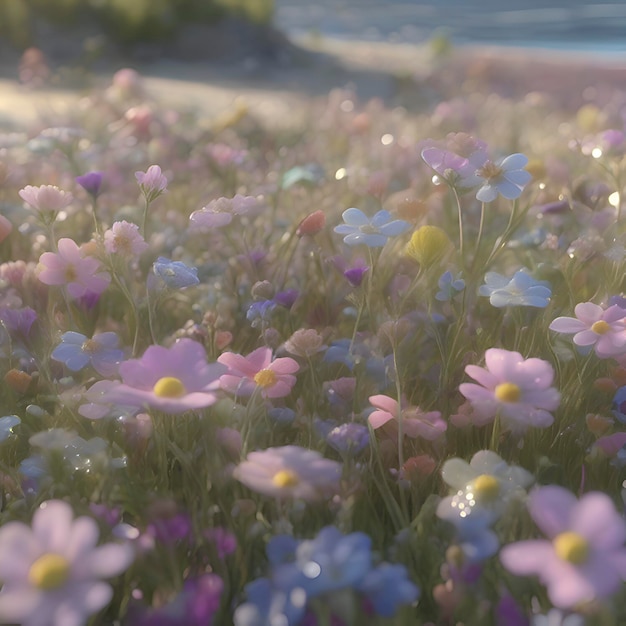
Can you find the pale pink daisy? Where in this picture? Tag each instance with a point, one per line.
(518, 390)
(290, 472)
(72, 268)
(52, 571)
(415, 422)
(46, 198)
(257, 370)
(124, 238)
(605, 330)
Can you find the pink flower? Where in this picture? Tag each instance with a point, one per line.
(220, 212)
(152, 182)
(52, 571)
(46, 198)
(583, 557)
(173, 380)
(290, 472)
(70, 267)
(124, 238)
(246, 374)
(517, 390)
(593, 326)
(415, 423)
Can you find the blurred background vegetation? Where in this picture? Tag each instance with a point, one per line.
(124, 22)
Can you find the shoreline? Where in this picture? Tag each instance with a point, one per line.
(276, 91)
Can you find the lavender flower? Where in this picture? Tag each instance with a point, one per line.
(76, 351)
(374, 232)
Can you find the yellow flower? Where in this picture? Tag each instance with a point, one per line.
(428, 245)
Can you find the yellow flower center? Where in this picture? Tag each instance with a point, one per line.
(169, 387)
(571, 547)
(90, 346)
(486, 487)
(70, 274)
(508, 392)
(600, 327)
(285, 478)
(265, 378)
(49, 571)
(490, 171)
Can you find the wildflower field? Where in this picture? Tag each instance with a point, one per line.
(367, 370)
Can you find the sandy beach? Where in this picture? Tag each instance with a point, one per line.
(278, 92)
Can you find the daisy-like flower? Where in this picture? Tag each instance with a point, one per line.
(521, 290)
(52, 571)
(583, 557)
(72, 268)
(101, 351)
(518, 390)
(124, 238)
(220, 212)
(485, 481)
(173, 380)
(506, 177)
(290, 472)
(605, 330)
(47, 198)
(415, 423)
(257, 370)
(374, 232)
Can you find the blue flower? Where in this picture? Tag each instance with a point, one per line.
(473, 526)
(330, 562)
(350, 438)
(260, 312)
(506, 177)
(387, 587)
(175, 274)
(374, 232)
(449, 287)
(76, 351)
(267, 605)
(521, 290)
(7, 423)
(619, 404)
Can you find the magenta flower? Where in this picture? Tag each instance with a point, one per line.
(52, 572)
(517, 390)
(290, 472)
(70, 267)
(246, 374)
(173, 380)
(46, 198)
(593, 326)
(583, 557)
(415, 423)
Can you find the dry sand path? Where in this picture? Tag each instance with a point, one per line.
(280, 93)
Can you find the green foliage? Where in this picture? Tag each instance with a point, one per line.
(124, 21)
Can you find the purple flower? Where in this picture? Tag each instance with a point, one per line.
(583, 557)
(101, 352)
(605, 330)
(286, 298)
(52, 572)
(518, 390)
(290, 472)
(619, 404)
(173, 380)
(374, 232)
(449, 287)
(449, 166)
(350, 438)
(90, 182)
(18, 321)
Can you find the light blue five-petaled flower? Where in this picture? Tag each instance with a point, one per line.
(372, 232)
(520, 290)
